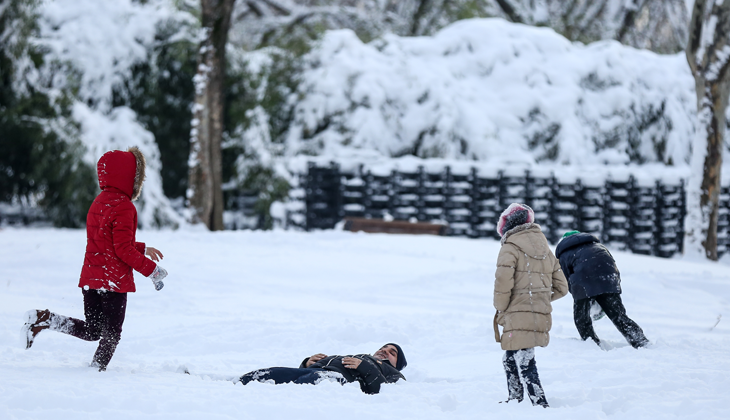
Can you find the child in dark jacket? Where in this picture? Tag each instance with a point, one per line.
(111, 254)
(593, 276)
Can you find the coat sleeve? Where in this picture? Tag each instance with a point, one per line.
(141, 247)
(505, 276)
(560, 284)
(304, 363)
(123, 227)
(371, 377)
(564, 262)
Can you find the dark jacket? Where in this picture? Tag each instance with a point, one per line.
(589, 267)
(371, 373)
(112, 251)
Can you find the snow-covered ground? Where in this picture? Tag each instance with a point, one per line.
(236, 301)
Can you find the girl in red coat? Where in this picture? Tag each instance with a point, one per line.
(111, 254)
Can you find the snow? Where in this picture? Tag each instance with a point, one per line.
(237, 301)
(101, 39)
(456, 96)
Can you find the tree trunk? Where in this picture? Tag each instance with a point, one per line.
(205, 193)
(708, 51)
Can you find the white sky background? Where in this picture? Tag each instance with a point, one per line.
(237, 301)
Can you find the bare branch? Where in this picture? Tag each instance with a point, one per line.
(266, 38)
(421, 12)
(695, 33)
(629, 17)
(510, 11)
(279, 8)
(254, 7)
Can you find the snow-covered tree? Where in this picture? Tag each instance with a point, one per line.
(527, 96)
(708, 54)
(40, 151)
(205, 192)
(292, 24)
(91, 48)
(657, 25)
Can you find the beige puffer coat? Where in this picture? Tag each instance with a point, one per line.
(528, 278)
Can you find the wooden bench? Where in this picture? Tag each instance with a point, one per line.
(356, 224)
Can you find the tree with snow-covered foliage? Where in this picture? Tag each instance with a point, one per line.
(291, 24)
(90, 48)
(529, 95)
(657, 25)
(708, 54)
(40, 150)
(205, 192)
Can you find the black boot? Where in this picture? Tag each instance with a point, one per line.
(514, 384)
(36, 320)
(525, 361)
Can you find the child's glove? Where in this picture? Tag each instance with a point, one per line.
(157, 276)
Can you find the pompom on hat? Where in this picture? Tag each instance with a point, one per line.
(570, 233)
(516, 214)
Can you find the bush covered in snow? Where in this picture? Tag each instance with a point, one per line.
(489, 90)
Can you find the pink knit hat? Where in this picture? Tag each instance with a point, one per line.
(515, 215)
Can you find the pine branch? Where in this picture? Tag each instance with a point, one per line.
(279, 8)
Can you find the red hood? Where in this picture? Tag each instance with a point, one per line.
(117, 169)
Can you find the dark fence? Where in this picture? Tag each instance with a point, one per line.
(627, 215)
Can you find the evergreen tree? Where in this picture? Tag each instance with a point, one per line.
(161, 93)
(40, 155)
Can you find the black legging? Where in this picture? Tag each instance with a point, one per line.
(104, 314)
(615, 311)
(283, 375)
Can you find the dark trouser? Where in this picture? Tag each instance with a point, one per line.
(615, 311)
(522, 373)
(104, 313)
(283, 375)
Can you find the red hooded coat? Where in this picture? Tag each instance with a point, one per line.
(111, 224)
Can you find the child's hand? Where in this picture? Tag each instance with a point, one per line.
(153, 253)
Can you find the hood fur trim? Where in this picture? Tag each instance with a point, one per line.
(518, 229)
(139, 175)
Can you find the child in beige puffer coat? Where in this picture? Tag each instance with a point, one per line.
(528, 278)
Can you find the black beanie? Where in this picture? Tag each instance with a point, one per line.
(401, 363)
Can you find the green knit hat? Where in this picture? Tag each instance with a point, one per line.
(572, 232)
